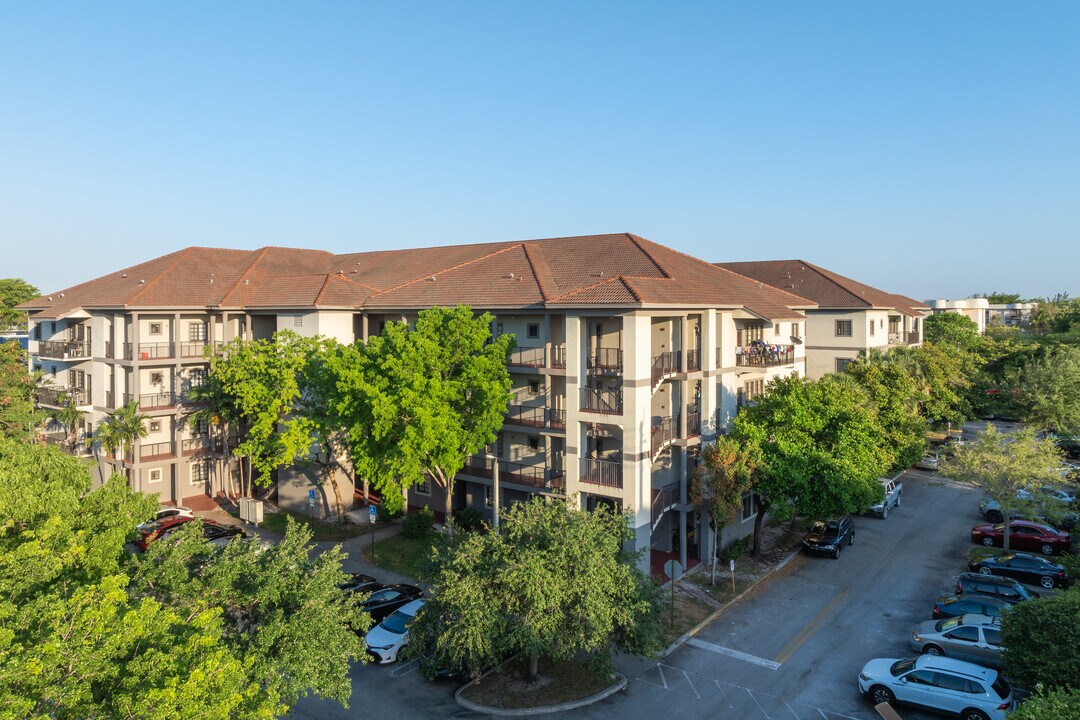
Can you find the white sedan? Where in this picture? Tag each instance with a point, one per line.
(385, 640)
(168, 511)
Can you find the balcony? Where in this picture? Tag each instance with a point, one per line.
(663, 365)
(604, 360)
(903, 338)
(607, 473)
(59, 397)
(204, 445)
(532, 357)
(196, 348)
(664, 499)
(664, 433)
(156, 401)
(693, 360)
(155, 351)
(558, 356)
(157, 451)
(605, 402)
(557, 419)
(537, 417)
(764, 355)
(541, 477)
(64, 349)
(693, 423)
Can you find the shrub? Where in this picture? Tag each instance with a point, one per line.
(383, 514)
(468, 519)
(418, 524)
(735, 550)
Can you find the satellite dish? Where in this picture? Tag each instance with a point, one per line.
(796, 339)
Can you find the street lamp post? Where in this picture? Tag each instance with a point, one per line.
(495, 491)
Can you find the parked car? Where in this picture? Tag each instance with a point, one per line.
(991, 510)
(928, 462)
(965, 690)
(385, 599)
(1005, 588)
(829, 536)
(1023, 567)
(168, 512)
(385, 640)
(220, 534)
(1023, 535)
(975, 638)
(949, 606)
(1070, 446)
(357, 582)
(893, 491)
(149, 532)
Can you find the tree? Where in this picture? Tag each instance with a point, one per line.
(1040, 638)
(944, 375)
(1005, 465)
(727, 471)
(1057, 704)
(70, 416)
(418, 401)
(12, 292)
(999, 298)
(895, 390)
(188, 631)
(121, 429)
(1050, 392)
(19, 416)
(552, 582)
(952, 329)
(822, 448)
(319, 404)
(208, 404)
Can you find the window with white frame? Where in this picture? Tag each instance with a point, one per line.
(776, 329)
(795, 329)
(423, 488)
(534, 443)
(748, 510)
(197, 377)
(298, 321)
(872, 324)
(202, 427)
(153, 475)
(198, 473)
(197, 332)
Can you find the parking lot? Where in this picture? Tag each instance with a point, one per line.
(790, 650)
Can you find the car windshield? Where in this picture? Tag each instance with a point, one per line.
(396, 623)
(1001, 687)
(824, 528)
(948, 624)
(902, 666)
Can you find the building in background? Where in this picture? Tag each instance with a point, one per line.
(850, 317)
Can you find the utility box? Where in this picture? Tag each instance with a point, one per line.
(251, 510)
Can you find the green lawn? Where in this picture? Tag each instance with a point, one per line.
(275, 522)
(401, 555)
(558, 682)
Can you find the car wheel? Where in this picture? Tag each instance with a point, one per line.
(984, 571)
(932, 650)
(1047, 582)
(974, 714)
(884, 512)
(851, 540)
(880, 694)
(988, 542)
(836, 551)
(897, 501)
(1047, 549)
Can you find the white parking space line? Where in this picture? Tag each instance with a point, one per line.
(792, 711)
(403, 670)
(751, 694)
(745, 657)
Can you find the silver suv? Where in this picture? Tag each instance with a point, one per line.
(975, 638)
(969, 691)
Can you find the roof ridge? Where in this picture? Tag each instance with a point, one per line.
(326, 281)
(637, 241)
(146, 286)
(826, 273)
(449, 269)
(629, 287)
(605, 281)
(762, 284)
(531, 247)
(258, 256)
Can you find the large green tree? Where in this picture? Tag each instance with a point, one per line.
(1040, 638)
(1050, 390)
(121, 429)
(822, 448)
(88, 631)
(1057, 704)
(19, 415)
(70, 417)
(12, 292)
(952, 329)
(417, 401)
(727, 471)
(1004, 464)
(895, 391)
(552, 582)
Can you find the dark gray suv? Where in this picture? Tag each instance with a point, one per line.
(829, 536)
(1001, 587)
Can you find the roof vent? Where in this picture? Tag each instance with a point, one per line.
(432, 278)
(50, 298)
(340, 272)
(247, 281)
(61, 294)
(123, 275)
(787, 275)
(511, 276)
(142, 282)
(211, 281)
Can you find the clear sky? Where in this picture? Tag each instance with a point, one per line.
(927, 148)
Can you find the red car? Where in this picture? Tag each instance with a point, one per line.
(150, 532)
(1023, 535)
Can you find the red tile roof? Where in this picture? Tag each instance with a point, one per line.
(828, 289)
(616, 270)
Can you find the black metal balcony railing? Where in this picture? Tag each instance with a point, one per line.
(64, 349)
(196, 348)
(693, 423)
(204, 444)
(528, 416)
(558, 419)
(128, 351)
(606, 402)
(693, 360)
(664, 364)
(595, 471)
(543, 477)
(149, 451)
(109, 348)
(155, 351)
(604, 359)
(764, 355)
(664, 499)
(61, 396)
(558, 356)
(528, 357)
(151, 401)
(903, 338)
(664, 433)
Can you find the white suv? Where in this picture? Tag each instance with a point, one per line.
(963, 689)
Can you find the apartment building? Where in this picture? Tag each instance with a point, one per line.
(629, 355)
(850, 317)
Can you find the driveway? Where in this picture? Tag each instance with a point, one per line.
(791, 650)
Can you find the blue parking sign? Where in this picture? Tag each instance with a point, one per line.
(371, 514)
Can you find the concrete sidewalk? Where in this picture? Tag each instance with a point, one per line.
(355, 562)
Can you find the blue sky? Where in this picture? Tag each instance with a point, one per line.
(927, 148)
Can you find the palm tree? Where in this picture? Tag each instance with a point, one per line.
(218, 412)
(122, 428)
(70, 416)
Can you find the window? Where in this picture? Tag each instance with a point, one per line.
(748, 506)
(489, 496)
(157, 378)
(197, 377)
(750, 391)
(534, 443)
(776, 329)
(298, 321)
(423, 488)
(153, 476)
(795, 329)
(920, 677)
(965, 633)
(155, 426)
(872, 325)
(155, 328)
(749, 333)
(499, 445)
(532, 330)
(843, 328)
(198, 473)
(534, 387)
(202, 427)
(992, 637)
(842, 363)
(951, 682)
(197, 332)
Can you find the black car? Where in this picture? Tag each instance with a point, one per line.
(358, 582)
(222, 533)
(1023, 567)
(994, 586)
(956, 605)
(829, 536)
(385, 599)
